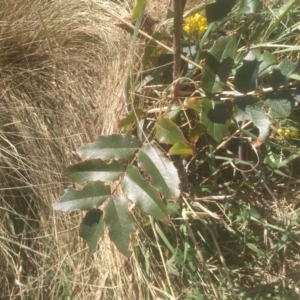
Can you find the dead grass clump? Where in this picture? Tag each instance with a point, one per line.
(61, 71)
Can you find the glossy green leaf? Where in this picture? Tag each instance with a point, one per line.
(280, 103)
(173, 112)
(151, 46)
(163, 68)
(197, 131)
(167, 132)
(91, 196)
(249, 108)
(194, 103)
(254, 65)
(218, 64)
(92, 229)
(182, 149)
(96, 169)
(218, 10)
(295, 77)
(246, 78)
(297, 93)
(162, 171)
(131, 119)
(216, 118)
(143, 194)
(249, 6)
(267, 61)
(119, 222)
(283, 73)
(111, 147)
(138, 9)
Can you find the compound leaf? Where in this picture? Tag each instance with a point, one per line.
(162, 171)
(119, 222)
(111, 147)
(143, 194)
(96, 169)
(92, 228)
(91, 196)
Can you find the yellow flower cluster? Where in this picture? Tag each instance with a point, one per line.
(195, 24)
(288, 133)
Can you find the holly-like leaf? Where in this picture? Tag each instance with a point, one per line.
(246, 78)
(119, 222)
(143, 194)
(96, 169)
(218, 10)
(173, 112)
(216, 118)
(249, 6)
(182, 149)
(280, 103)
(167, 132)
(254, 66)
(131, 119)
(111, 147)
(194, 103)
(91, 196)
(282, 73)
(151, 47)
(297, 93)
(295, 77)
(197, 131)
(218, 64)
(162, 171)
(249, 108)
(92, 228)
(267, 61)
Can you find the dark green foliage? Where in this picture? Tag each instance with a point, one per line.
(218, 10)
(117, 216)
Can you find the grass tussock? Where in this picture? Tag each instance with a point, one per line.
(62, 67)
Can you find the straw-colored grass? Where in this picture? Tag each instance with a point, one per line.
(62, 72)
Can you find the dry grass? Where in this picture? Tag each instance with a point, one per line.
(62, 69)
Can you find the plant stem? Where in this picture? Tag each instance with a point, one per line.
(178, 19)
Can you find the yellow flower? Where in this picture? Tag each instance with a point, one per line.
(294, 134)
(195, 24)
(187, 28)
